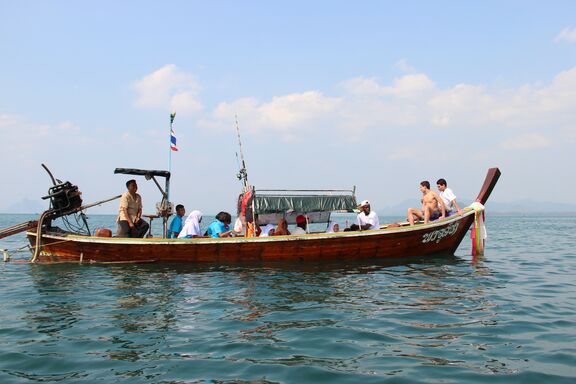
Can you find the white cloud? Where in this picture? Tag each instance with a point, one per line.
(362, 86)
(569, 134)
(441, 120)
(169, 88)
(8, 122)
(404, 66)
(561, 93)
(409, 86)
(297, 108)
(23, 133)
(68, 127)
(403, 153)
(567, 34)
(32, 142)
(528, 141)
(283, 113)
(459, 104)
(185, 101)
(530, 105)
(413, 108)
(74, 152)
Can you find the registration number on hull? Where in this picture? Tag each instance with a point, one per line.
(439, 234)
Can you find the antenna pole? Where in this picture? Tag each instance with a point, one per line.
(243, 174)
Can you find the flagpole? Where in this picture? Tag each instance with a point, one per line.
(172, 145)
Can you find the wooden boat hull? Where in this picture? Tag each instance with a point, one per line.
(439, 237)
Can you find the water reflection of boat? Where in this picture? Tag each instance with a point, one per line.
(388, 242)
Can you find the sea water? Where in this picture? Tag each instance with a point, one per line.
(506, 317)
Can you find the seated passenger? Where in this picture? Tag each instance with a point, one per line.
(130, 223)
(191, 226)
(282, 228)
(432, 206)
(221, 226)
(268, 230)
(300, 225)
(449, 197)
(333, 227)
(176, 225)
(367, 219)
(352, 228)
(252, 227)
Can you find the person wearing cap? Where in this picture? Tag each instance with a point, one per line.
(300, 225)
(367, 219)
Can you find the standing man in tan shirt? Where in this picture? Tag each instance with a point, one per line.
(130, 223)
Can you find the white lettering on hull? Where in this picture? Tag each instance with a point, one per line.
(439, 234)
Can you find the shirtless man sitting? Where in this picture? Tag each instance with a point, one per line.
(432, 206)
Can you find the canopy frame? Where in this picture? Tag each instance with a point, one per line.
(316, 204)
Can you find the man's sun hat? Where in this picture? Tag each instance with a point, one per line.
(364, 203)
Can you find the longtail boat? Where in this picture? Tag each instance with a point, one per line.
(391, 241)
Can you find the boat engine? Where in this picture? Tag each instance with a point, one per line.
(64, 199)
(65, 202)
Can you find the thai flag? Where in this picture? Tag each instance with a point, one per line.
(173, 141)
(172, 135)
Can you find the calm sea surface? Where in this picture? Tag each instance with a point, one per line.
(509, 317)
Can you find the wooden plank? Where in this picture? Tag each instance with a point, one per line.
(22, 227)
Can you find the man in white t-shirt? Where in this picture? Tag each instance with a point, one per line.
(448, 196)
(367, 219)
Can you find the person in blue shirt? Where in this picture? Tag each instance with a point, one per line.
(176, 224)
(221, 226)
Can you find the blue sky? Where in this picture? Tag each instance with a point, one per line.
(328, 94)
